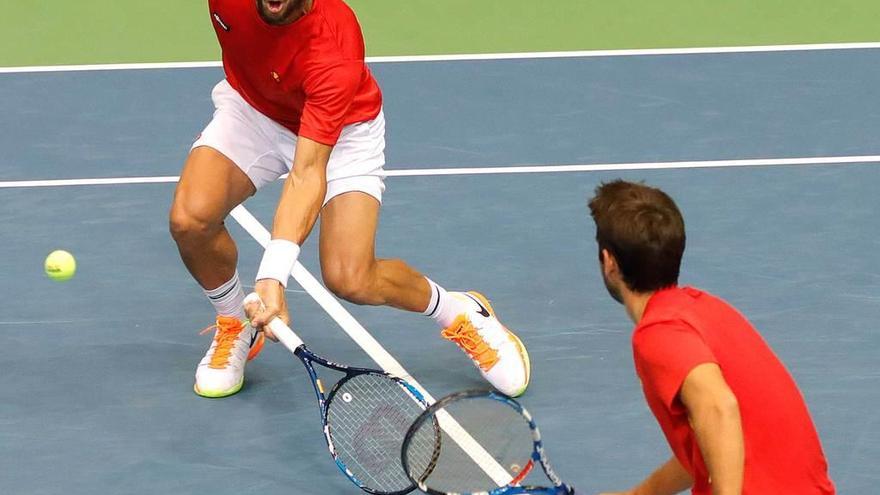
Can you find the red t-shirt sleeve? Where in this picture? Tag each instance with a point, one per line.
(330, 91)
(664, 354)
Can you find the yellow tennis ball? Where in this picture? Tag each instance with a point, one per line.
(60, 265)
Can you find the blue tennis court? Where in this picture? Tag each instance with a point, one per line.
(98, 371)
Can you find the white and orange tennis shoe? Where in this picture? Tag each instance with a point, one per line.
(496, 351)
(221, 371)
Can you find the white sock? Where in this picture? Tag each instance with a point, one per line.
(228, 298)
(443, 307)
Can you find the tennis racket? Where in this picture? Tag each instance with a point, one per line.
(504, 429)
(365, 417)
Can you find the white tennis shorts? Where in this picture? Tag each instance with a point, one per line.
(264, 149)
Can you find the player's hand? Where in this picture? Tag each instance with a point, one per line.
(274, 305)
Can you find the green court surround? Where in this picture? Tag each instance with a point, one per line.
(94, 31)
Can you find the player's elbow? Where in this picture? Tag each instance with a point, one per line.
(727, 408)
(721, 406)
(307, 180)
(726, 402)
(706, 395)
(308, 171)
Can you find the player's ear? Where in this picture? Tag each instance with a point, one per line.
(609, 262)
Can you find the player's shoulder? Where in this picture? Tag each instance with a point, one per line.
(686, 309)
(676, 299)
(338, 15)
(669, 301)
(656, 326)
(339, 35)
(335, 8)
(228, 5)
(668, 310)
(226, 13)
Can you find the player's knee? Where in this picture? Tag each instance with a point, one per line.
(348, 282)
(185, 226)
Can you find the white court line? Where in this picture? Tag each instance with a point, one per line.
(89, 182)
(531, 169)
(473, 56)
(373, 348)
(600, 167)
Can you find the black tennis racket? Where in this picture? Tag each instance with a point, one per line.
(505, 432)
(365, 417)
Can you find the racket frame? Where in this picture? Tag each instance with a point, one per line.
(538, 455)
(324, 399)
(295, 345)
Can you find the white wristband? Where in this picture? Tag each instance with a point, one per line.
(278, 260)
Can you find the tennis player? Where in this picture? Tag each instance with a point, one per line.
(299, 98)
(733, 416)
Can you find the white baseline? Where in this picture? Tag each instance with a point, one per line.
(499, 170)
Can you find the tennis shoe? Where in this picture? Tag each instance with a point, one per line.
(498, 353)
(221, 371)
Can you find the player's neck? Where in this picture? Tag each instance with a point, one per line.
(635, 303)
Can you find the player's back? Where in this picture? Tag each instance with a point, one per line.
(783, 452)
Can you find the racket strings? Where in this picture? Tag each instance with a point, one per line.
(502, 433)
(368, 418)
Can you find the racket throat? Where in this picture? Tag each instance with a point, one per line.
(523, 473)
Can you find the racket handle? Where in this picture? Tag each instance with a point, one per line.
(284, 334)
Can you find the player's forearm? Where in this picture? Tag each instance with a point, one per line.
(668, 479)
(300, 203)
(718, 429)
(303, 192)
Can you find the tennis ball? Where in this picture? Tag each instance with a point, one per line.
(60, 265)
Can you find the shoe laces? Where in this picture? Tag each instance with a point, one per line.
(466, 336)
(228, 330)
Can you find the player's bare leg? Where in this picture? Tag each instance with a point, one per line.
(348, 261)
(210, 186)
(351, 271)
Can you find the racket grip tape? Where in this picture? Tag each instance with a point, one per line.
(280, 329)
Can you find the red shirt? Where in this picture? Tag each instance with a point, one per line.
(309, 76)
(684, 327)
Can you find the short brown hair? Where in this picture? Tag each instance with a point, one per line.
(643, 229)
